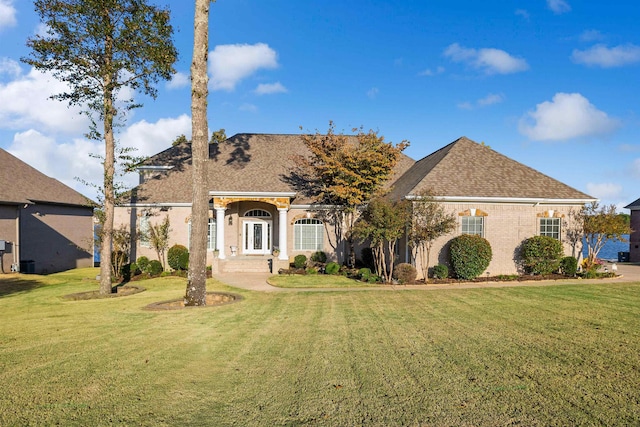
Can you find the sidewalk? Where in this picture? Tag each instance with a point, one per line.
(258, 282)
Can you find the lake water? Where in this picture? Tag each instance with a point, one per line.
(610, 249)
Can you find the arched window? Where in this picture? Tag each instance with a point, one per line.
(308, 235)
(258, 213)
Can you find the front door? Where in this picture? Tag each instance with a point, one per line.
(256, 237)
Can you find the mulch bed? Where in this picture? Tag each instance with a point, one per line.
(213, 299)
(120, 291)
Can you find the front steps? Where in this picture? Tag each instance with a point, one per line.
(248, 264)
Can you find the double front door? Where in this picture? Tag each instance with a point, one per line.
(256, 237)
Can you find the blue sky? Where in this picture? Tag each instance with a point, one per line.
(550, 83)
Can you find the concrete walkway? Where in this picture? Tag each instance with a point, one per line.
(258, 282)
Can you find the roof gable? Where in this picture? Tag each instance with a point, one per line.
(21, 183)
(465, 168)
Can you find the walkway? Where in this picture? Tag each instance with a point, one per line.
(258, 282)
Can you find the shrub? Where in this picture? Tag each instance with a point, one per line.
(364, 273)
(470, 255)
(300, 261)
(405, 273)
(319, 256)
(440, 271)
(541, 255)
(143, 264)
(178, 257)
(569, 266)
(332, 268)
(374, 279)
(127, 271)
(367, 258)
(155, 267)
(312, 270)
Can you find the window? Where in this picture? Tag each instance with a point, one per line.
(258, 213)
(550, 227)
(211, 235)
(308, 235)
(473, 225)
(143, 231)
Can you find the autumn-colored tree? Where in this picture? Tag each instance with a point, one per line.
(98, 48)
(573, 228)
(196, 292)
(601, 223)
(429, 221)
(345, 173)
(180, 139)
(218, 136)
(382, 223)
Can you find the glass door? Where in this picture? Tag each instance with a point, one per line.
(256, 237)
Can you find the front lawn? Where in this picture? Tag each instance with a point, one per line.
(317, 281)
(554, 355)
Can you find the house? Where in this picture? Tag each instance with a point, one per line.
(256, 206)
(45, 226)
(634, 238)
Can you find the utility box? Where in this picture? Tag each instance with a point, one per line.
(3, 245)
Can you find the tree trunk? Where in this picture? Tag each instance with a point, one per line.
(109, 192)
(197, 276)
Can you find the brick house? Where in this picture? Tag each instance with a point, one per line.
(45, 226)
(634, 238)
(255, 205)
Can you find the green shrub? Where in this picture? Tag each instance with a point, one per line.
(127, 271)
(155, 267)
(367, 258)
(312, 270)
(374, 279)
(470, 255)
(364, 274)
(332, 268)
(569, 266)
(541, 255)
(319, 256)
(143, 264)
(440, 271)
(300, 261)
(178, 257)
(405, 273)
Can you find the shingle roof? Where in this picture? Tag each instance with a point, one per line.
(633, 205)
(242, 163)
(21, 183)
(465, 168)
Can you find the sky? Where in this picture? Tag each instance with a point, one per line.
(553, 84)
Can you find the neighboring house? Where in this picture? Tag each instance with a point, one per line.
(45, 226)
(255, 205)
(634, 238)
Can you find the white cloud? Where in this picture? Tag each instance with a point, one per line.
(31, 106)
(603, 56)
(373, 92)
(568, 115)
(229, 64)
(179, 80)
(10, 67)
(7, 14)
(270, 88)
(523, 13)
(250, 108)
(558, 6)
(604, 190)
(66, 161)
(591, 36)
(429, 72)
(489, 60)
(490, 99)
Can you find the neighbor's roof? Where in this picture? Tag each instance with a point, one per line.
(635, 205)
(465, 168)
(21, 183)
(259, 163)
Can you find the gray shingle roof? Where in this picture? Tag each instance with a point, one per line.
(242, 163)
(633, 205)
(465, 168)
(21, 183)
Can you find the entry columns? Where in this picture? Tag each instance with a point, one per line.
(220, 232)
(282, 233)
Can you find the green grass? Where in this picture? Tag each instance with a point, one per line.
(316, 281)
(551, 355)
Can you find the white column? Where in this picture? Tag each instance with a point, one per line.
(282, 233)
(220, 232)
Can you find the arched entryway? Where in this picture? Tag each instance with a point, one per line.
(257, 232)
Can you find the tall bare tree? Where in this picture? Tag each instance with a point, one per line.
(197, 276)
(99, 47)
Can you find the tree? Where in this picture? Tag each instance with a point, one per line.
(218, 136)
(196, 293)
(159, 238)
(180, 139)
(574, 230)
(601, 223)
(99, 47)
(345, 174)
(383, 222)
(429, 221)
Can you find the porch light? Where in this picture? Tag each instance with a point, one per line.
(230, 220)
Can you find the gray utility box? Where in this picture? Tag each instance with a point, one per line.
(3, 245)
